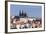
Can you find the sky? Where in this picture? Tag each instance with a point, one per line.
(31, 10)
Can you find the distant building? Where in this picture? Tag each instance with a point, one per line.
(22, 14)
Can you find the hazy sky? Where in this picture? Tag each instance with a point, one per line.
(32, 11)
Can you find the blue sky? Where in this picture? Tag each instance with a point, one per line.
(32, 11)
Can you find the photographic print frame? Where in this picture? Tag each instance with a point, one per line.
(7, 15)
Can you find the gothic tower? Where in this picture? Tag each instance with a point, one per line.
(22, 14)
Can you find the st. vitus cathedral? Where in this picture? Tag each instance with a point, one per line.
(22, 14)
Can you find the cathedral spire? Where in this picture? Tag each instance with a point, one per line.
(19, 12)
(22, 13)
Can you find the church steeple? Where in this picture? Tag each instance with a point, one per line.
(19, 12)
(22, 13)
